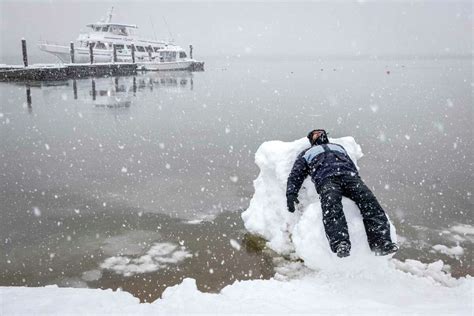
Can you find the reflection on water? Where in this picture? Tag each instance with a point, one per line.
(91, 167)
(115, 92)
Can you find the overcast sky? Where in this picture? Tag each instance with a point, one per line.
(256, 28)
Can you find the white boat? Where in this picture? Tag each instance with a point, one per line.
(170, 58)
(103, 35)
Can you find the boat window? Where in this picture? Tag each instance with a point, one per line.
(167, 56)
(119, 30)
(129, 47)
(156, 49)
(100, 45)
(119, 46)
(105, 29)
(182, 55)
(140, 48)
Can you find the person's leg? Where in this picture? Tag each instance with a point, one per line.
(375, 221)
(335, 225)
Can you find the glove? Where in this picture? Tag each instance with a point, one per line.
(291, 199)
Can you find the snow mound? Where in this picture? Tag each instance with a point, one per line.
(453, 252)
(434, 271)
(302, 234)
(159, 256)
(463, 229)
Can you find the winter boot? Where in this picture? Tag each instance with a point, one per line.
(385, 248)
(343, 249)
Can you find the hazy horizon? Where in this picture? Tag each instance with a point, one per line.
(254, 28)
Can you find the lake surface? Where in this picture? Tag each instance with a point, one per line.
(107, 167)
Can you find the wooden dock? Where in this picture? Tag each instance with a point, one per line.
(65, 71)
(45, 72)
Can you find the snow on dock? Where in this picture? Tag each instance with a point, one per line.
(51, 72)
(65, 71)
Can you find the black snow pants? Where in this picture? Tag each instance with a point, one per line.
(374, 218)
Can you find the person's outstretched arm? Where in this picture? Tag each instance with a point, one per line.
(298, 173)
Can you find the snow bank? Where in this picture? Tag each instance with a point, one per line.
(52, 300)
(398, 293)
(302, 234)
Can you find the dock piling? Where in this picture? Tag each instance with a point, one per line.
(94, 92)
(74, 88)
(150, 52)
(115, 53)
(91, 52)
(28, 97)
(191, 51)
(71, 52)
(133, 53)
(25, 54)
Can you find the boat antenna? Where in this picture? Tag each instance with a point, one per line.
(109, 17)
(153, 28)
(171, 40)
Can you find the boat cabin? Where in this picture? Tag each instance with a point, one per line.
(171, 54)
(112, 28)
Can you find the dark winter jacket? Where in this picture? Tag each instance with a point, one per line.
(321, 162)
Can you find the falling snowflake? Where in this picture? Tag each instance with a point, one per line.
(36, 211)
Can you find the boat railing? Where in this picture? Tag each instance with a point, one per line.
(46, 42)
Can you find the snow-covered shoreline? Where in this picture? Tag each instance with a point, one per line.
(325, 284)
(315, 293)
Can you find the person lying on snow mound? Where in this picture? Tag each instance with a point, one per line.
(335, 175)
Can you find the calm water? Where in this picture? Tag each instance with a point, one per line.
(94, 167)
